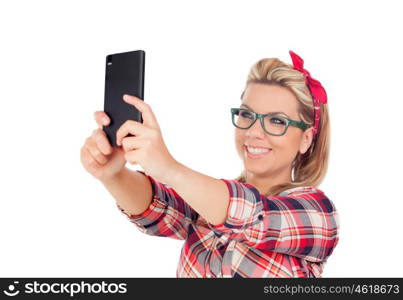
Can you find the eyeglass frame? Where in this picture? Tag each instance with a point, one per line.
(299, 124)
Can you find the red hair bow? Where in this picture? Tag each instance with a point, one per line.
(317, 91)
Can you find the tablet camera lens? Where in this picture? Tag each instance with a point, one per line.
(109, 60)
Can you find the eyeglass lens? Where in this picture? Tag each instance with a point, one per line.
(273, 124)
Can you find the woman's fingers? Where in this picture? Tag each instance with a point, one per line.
(147, 114)
(88, 159)
(101, 118)
(93, 149)
(97, 155)
(102, 142)
(133, 127)
(133, 143)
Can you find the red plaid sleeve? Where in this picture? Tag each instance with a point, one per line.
(302, 224)
(168, 215)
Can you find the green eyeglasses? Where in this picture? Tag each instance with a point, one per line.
(273, 124)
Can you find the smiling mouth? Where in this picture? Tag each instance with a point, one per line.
(256, 152)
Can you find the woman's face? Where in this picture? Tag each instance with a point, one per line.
(280, 150)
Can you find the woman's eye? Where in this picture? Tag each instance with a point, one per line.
(246, 115)
(278, 121)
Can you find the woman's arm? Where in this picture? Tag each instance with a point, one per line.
(304, 225)
(153, 207)
(132, 191)
(206, 195)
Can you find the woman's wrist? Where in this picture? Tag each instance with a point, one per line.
(115, 177)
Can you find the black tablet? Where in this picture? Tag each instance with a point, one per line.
(124, 75)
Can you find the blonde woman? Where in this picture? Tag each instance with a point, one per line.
(271, 221)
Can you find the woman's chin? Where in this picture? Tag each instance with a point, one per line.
(256, 169)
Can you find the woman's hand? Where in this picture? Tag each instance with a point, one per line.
(98, 157)
(147, 147)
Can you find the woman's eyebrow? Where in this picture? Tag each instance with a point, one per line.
(273, 112)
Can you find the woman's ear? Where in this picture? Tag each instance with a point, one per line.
(306, 140)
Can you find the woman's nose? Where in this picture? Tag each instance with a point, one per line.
(255, 130)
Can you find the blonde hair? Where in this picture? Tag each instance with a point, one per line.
(308, 169)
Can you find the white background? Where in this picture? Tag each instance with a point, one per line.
(57, 220)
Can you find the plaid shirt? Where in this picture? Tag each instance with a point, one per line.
(289, 235)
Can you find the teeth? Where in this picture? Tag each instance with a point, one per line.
(257, 150)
